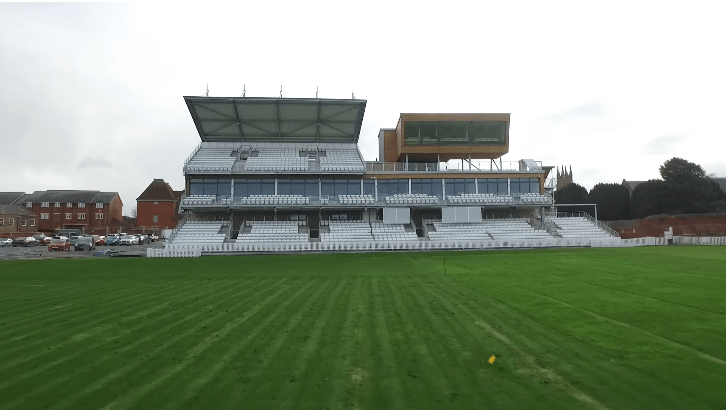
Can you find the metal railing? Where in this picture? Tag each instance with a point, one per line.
(602, 225)
(189, 158)
(452, 166)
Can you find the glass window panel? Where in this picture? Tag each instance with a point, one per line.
(341, 187)
(428, 132)
(284, 187)
(240, 188)
(210, 187)
(311, 187)
(328, 187)
(411, 133)
(417, 186)
(268, 187)
(224, 187)
(354, 187)
(534, 185)
(437, 188)
(297, 187)
(369, 187)
(403, 186)
(470, 186)
(502, 187)
(196, 187)
(254, 187)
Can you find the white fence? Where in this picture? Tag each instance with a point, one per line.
(192, 250)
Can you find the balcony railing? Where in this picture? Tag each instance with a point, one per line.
(202, 202)
(451, 166)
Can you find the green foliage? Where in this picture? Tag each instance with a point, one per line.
(685, 189)
(678, 169)
(571, 194)
(613, 201)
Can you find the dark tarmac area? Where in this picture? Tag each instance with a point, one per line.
(41, 251)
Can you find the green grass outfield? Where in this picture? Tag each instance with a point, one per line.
(612, 329)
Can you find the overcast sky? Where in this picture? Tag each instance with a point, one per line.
(91, 95)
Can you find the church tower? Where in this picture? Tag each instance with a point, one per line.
(564, 177)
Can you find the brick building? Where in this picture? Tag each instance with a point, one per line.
(158, 206)
(89, 211)
(14, 218)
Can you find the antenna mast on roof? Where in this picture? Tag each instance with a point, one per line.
(352, 93)
(280, 91)
(206, 94)
(317, 88)
(244, 89)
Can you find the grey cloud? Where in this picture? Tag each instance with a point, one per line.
(662, 145)
(90, 162)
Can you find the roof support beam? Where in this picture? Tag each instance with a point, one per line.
(279, 120)
(239, 123)
(317, 133)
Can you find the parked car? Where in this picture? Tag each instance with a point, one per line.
(6, 242)
(101, 240)
(84, 243)
(25, 241)
(42, 239)
(129, 240)
(143, 239)
(153, 237)
(112, 240)
(58, 244)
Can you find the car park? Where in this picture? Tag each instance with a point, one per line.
(25, 241)
(6, 242)
(58, 244)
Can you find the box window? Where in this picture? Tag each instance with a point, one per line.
(156, 219)
(28, 204)
(11, 221)
(69, 204)
(81, 216)
(44, 216)
(99, 216)
(2, 221)
(24, 222)
(45, 204)
(99, 204)
(32, 222)
(69, 216)
(57, 204)
(81, 204)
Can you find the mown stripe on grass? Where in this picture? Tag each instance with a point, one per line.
(52, 315)
(70, 326)
(389, 386)
(205, 377)
(156, 350)
(309, 351)
(586, 361)
(131, 397)
(213, 294)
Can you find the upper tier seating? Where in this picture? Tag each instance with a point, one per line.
(201, 200)
(411, 199)
(277, 159)
(579, 227)
(535, 199)
(459, 231)
(273, 231)
(346, 160)
(356, 199)
(211, 159)
(275, 200)
(347, 231)
(391, 232)
(199, 233)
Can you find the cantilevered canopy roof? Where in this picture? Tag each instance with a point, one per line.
(276, 119)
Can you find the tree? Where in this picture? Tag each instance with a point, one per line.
(134, 212)
(571, 194)
(647, 198)
(678, 169)
(613, 201)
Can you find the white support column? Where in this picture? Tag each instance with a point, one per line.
(275, 186)
(509, 186)
(476, 185)
(409, 185)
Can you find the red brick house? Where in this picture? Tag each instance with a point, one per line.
(158, 206)
(92, 212)
(14, 219)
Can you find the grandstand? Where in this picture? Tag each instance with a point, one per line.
(283, 174)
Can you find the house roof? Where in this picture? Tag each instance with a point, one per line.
(14, 210)
(69, 196)
(7, 198)
(158, 190)
(178, 194)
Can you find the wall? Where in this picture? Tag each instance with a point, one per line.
(166, 210)
(709, 224)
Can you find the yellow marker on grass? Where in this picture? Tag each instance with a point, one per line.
(492, 359)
